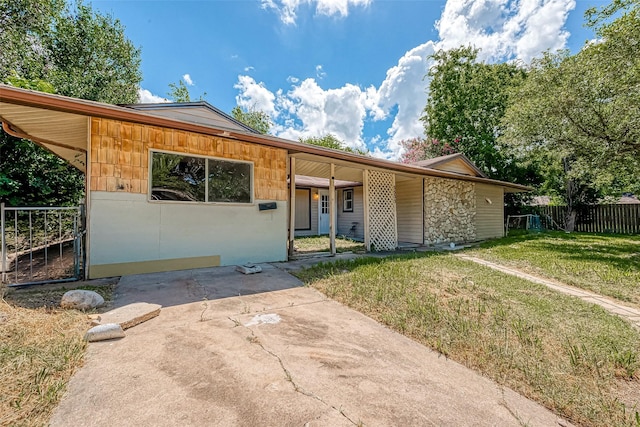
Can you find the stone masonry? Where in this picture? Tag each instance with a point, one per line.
(449, 211)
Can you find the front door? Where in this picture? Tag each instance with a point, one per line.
(323, 212)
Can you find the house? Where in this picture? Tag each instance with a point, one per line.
(175, 188)
(312, 207)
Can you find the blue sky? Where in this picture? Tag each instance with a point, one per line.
(354, 68)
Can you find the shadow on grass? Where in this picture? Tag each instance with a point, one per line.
(328, 269)
(619, 251)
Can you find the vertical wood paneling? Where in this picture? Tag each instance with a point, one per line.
(622, 219)
(409, 200)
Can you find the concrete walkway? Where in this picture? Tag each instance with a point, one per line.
(263, 350)
(614, 307)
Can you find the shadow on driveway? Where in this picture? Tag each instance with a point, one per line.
(187, 286)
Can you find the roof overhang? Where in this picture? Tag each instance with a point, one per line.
(62, 125)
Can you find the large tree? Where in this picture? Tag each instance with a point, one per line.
(53, 46)
(254, 118)
(331, 141)
(583, 112)
(467, 100)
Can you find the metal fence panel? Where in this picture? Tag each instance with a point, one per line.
(41, 244)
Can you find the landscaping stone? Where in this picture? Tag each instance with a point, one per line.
(449, 211)
(130, 315)
(107, 331)
(81, 299)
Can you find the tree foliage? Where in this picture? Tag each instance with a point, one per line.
(255, 119)
(467, 100)
(585, 109)
(179, 92)
(582, 112)
(53, 46)
(331, 141)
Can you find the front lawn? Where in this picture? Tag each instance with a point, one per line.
(606, 264)
(312, 244)
(573, 357)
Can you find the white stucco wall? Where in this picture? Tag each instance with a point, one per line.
(126, 228)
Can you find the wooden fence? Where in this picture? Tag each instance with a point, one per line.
(623, 219)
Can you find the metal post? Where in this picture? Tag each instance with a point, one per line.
(332, 210)
(30, 249)
(4, 244)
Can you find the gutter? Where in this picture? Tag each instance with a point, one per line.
(60, 103)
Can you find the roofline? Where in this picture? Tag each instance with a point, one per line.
(447, 158)
(97, 109)
(161, 105)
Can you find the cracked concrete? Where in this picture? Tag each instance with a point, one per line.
(321, 364)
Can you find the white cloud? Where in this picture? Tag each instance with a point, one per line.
(405, 87)
(505, 29)
(502, 29)
(146, 97)
(187, 79)
(287, 9)
(249, 68)
(320, 73)
(255, 95)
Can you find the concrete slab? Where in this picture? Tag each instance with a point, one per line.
(287, 356)
(130, 315)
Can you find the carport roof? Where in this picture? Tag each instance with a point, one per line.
(61, 124)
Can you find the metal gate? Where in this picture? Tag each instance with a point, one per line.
(42, 244)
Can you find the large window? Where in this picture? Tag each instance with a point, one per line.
(184, 178)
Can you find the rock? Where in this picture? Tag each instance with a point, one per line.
(81, 299)
(131, 315)
(107, 331)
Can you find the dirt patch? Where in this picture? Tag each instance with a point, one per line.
(49, 295)
(51, 263)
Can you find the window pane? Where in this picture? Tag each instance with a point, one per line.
(177, 177)
(229, 181)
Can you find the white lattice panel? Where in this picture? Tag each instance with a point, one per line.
(382, 211)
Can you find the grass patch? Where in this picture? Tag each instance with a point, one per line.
(606, 264)
(321, 244)
(571, 356)
(39, 351)
(41, 346)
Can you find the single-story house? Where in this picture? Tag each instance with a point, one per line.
(175, 187)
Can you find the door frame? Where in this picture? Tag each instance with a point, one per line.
(323, 193)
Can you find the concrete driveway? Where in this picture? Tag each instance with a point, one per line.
(261, 350)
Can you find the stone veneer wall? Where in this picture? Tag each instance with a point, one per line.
(449, 211)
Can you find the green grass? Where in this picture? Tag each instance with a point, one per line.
(571, 356)
(321, 244)
(606, 264)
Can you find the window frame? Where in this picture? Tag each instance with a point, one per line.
(206, 191)
(346, 191)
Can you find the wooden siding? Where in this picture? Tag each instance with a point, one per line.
(409, 200)
(457, 166)
(489, 211)
(314, 216)
(303, 206)
(346, 219)
(120, 157)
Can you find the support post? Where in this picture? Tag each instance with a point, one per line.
(4, 244)
(365, 203)
(292, 204)
(332, 210)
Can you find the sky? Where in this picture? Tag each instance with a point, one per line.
(353, 68)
